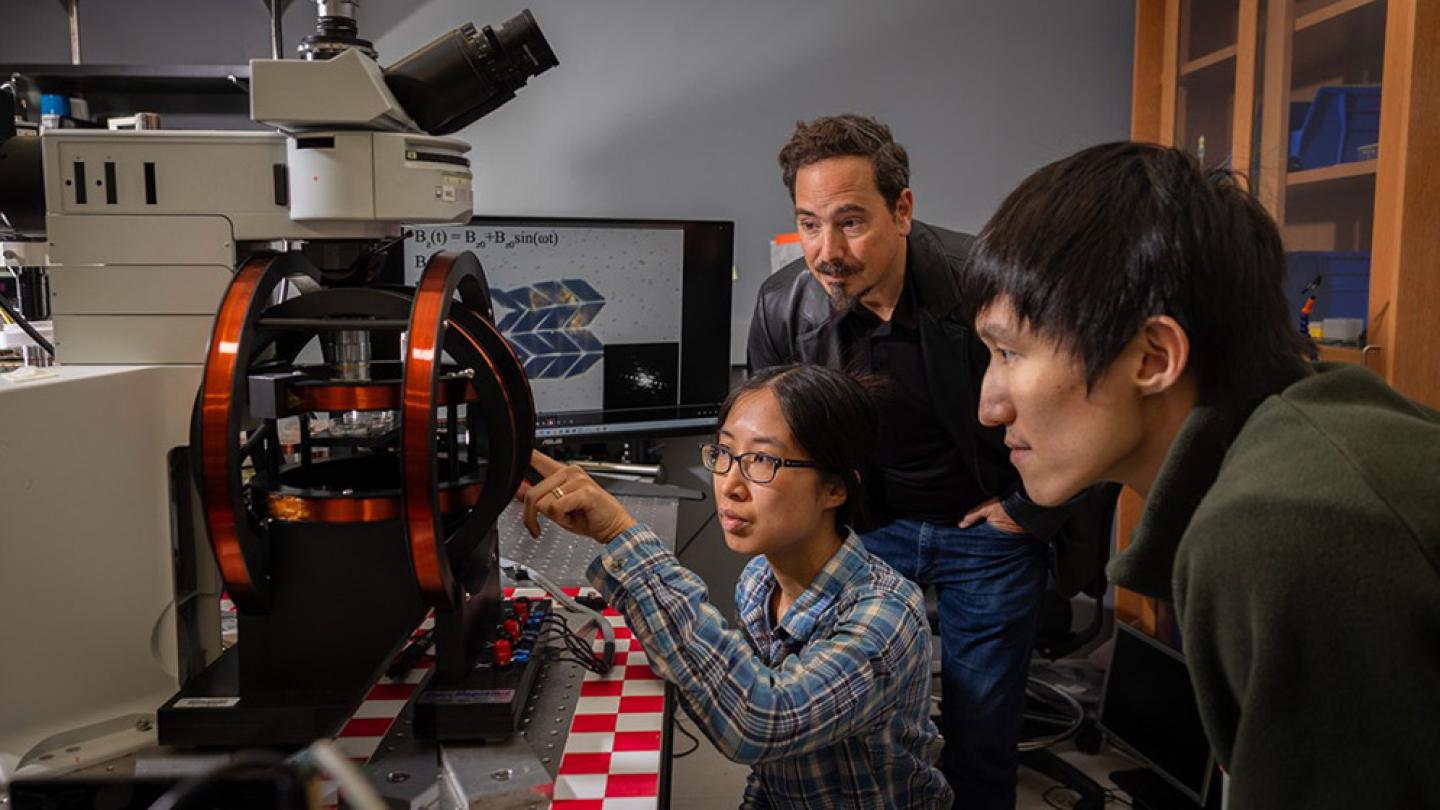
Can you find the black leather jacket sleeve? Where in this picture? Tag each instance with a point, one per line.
(760, 349)
(1041, 521)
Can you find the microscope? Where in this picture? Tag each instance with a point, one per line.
(242, 403)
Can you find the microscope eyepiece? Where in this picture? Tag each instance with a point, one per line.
(466, 73)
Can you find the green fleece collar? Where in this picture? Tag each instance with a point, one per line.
(1190, 468)
(1188, 472)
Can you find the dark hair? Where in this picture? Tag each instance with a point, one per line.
(840, 135)
(834, 420)
(1090, 246)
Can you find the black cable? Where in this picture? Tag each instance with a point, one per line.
(560, 622)
(695, 742)
(25, 325)
(570, 636)
(580, 652)
(590, 665)
(573, 660)
(411, 655)
(567, 644)
(683, 546)
(252, 443)
(384, 247)
(577, 647)
(368, 265)
(581, 647)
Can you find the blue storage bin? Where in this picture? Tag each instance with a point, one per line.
(1344, 291)
(1337, 123)
(1298, 111)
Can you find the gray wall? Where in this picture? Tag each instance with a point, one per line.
(677, 108)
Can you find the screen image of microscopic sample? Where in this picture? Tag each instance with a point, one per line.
(641, 375)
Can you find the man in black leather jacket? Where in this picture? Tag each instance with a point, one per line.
(876, 294)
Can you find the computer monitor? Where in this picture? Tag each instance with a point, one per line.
(623, 325)
(1149, 709)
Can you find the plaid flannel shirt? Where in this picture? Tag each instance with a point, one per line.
(830, 708)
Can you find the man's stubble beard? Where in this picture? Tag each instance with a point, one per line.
(841, 299)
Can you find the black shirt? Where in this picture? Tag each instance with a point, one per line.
(921, 473)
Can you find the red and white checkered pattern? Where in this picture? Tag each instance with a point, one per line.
(612, 756)
(361, 735)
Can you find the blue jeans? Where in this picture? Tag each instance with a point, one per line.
(988, 585)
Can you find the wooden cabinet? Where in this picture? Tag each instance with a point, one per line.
(1218, 78)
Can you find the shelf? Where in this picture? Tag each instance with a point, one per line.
(138, 79)
(1332, 174)
(1339, 354)
(1205, 27)
(1330, 11)
(1342, 42)
(1209, 60)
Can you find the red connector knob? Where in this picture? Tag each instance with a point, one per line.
(502, 652)
(512, 629)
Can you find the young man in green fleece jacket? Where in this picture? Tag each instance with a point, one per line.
(1139, 333)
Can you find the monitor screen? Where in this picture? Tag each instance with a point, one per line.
(623, 325)
(1149, 708)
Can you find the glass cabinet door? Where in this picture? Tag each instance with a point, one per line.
(1205, 80)
(1321, 79)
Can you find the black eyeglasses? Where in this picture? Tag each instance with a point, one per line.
(757, 468)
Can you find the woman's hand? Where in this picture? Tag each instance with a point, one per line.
(571, 498)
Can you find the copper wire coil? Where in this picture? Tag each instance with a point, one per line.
(422, 500)
(384, 396)
(215, 404)
(340, 509)
(428, 326)
(426, 319)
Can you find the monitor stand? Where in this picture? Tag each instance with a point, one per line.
(647, 489)
(618, 477)
(1151, 792)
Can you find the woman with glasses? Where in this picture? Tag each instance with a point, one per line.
(825, 688)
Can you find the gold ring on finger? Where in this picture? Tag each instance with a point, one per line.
(558, 493)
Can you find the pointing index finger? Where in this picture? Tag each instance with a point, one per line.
(544, 465)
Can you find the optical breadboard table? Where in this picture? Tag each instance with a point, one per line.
(601, 740)
(562, 556)
(586, 741)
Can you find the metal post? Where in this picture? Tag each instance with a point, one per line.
(72, 11)
(276, 9)
(277, 37)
